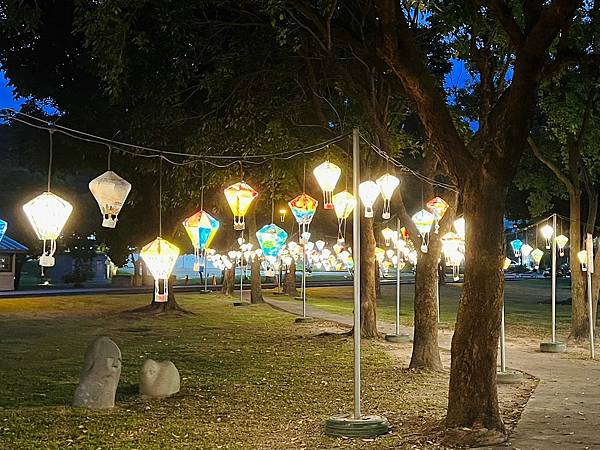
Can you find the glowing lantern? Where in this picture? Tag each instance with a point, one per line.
(459, 226)
(320, 245)
(537, 255)
(403, 233)
(282, 214)
(387, 185)
(547, 232)
(327, 175)
(239, 197)
(160, 256)
(201, 228)
(450, 243)
(561, 241)
(516, 245)
(582, 256)
(3, 226)
(506, 264)
(379, 254)
(423, 221)
(303, 208)
(368, 191)
(389, 235)
(48, 214)
(271, 239)
(437, 206)
(526, 250)
(110, 192)
(343, 204)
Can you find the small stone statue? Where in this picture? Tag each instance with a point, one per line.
(100, 375)
(159, 379)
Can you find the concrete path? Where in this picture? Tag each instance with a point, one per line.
(563, 413)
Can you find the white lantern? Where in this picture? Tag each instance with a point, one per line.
(423, 221)
(389, 236)
(582, 257)
(48, 214)
(327, 175)
(459, 226)
(526, 250)
(387, 185)
(320, 245)
(110, 191)
(368, 191)
(547, 232)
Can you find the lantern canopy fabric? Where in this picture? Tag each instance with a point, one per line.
(48, 214)
(327, 175)
(343, 204)
(438, 207)
(160, 256)
(561, 241)
(368, 191)
(516, 245)
(460, 226)
(3, 226)
(303, 208)
(537, 255)
(387, 185)
(201, 228)
(423, 221)
(271, 239)
(526, 250)
(110, 192)
(239, 197)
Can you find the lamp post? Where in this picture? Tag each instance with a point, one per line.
(588, 255)
(356, 425)
(397, 337)
(554, 346)
(505, 376)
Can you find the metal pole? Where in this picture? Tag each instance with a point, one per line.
(303, 280)
(437, 292)
(502, 343)
(590, 270)
(242, 278)
(356, 258)
(398, 281)
(554, 278)
(205, 271)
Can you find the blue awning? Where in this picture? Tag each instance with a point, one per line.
(9, 245)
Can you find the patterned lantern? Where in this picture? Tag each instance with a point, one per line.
(303, 208)
(389, 235)
(239, 197)
(387, 185)
(423, 221)
(327, 175)
(547, 232)
(201, 228)
(271, 239)
(48, 214)
(437, 206)
(526, 250)
(160, 257)
(537, 255)
(368, 191)
(516, 245)
(3, 226)
(561, 241)
(110, 191)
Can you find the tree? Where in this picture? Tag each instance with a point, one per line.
(483, 164)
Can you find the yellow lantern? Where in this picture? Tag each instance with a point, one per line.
(343, 204)
(239, 197)
(547, 232)
(537, 255)
(110, 191)
(368, 191)
(507, 263)
(160, 256)
(282, 214)
(48, 214)
(387, 185)
(561, 241)
(582, 257)
(327, 175)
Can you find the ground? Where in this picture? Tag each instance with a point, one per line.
(251, 378)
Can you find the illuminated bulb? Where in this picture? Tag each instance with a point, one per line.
(387, 185)
(547, 232)
(368, 191)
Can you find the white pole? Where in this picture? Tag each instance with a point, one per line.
(356, 257)
(437, 292)
(502, 343)
(205, 271)
(554, 279)
(398, 281)
(590, 271)
(303, 280)
(241, 278)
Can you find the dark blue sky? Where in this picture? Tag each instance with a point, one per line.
(6, 94)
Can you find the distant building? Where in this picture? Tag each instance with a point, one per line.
(12, 256)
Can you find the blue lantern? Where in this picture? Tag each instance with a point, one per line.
(3, 226)
(516, 246)
(271, 239)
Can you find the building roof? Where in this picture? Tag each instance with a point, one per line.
(9, 245)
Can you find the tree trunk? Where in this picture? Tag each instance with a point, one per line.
(377, 281)
(368, 298)
(579, 316)
(228, 282)
(425, 352)
(170, 306)
(255, 285)
(290, 281)
(472, 397)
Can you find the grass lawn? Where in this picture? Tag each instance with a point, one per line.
(528, 309)
(251, 379)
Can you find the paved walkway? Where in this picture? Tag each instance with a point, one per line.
(563, 413)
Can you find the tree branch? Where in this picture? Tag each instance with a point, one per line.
(507, 20)
(557, 172)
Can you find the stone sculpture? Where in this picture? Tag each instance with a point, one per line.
(100, 375)
(159, 379)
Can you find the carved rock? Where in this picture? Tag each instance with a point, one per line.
(159, 379)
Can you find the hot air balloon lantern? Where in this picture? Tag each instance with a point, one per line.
(201, 228)
(403, 233)
(459, 226)
(303, 208)
(368, 191)
(423, 220)
(389, 236)
(160, 257)
(327, 175)
(438, 207)
(3, 226)
(526, 250)
(506, 263)
(387, 185)
(582, 257)
(516, 245)
(110, 192)
(48, 214)
(547, 232)
(282, 214)
(561, 242)
(239, 197)
(271, 239)
(537, 255)
(343, 205)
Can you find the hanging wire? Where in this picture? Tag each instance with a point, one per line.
(202, 188)
(50, 156)
(272, 192)
(160, 197)
(303, 172)
(109, 155)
